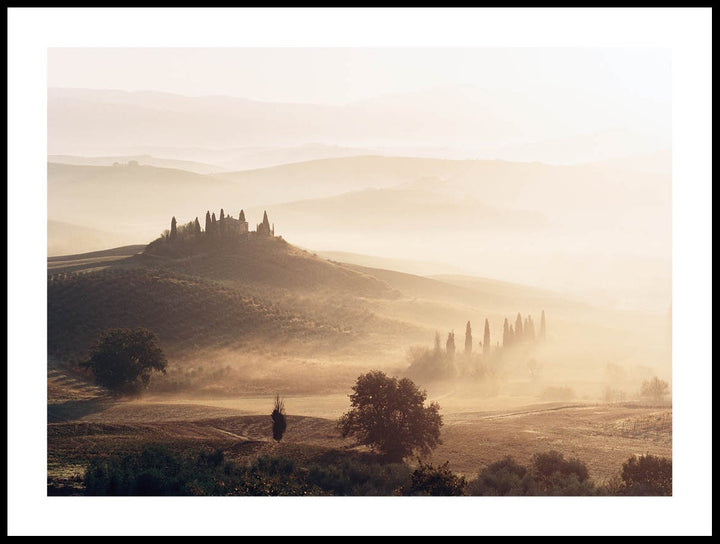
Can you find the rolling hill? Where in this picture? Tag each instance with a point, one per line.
(477, 121)
(249, 292)
(147, 160)
(376, 211)
(66, 238)
(186, 313)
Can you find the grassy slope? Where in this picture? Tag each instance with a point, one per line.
(186, 313)
(268, 261)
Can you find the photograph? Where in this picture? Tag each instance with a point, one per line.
(384, 271)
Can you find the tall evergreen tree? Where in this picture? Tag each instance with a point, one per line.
(486, 338)
(438, 347)
(279, 419)
(468, 340)
(542, 325)
(506, 333)
(529, 329)
(173, 228)
(242, 215)
(222, 214)
(208, 222)
(519, 329)
(196, 226)
(450, 345)
(264, 227)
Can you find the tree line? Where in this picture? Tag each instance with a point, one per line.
(224, 225)
(441, 362)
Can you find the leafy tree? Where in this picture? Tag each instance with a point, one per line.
(647, 475)
(435, 481)
(425, 363)
(656, 388)
(279, 419)
(389, 415)
(123, 360)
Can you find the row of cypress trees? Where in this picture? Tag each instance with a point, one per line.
(522, 333)
(212, 225)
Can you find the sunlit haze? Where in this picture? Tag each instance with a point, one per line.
(597, 226)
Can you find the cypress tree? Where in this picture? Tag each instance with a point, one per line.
(173, 228)
(529, 329)
(222, 214)
(486, 338)
(518, 329)
(438, 347)
(208, 227)
(197, 226)
(506, 333)
(542, 326)
(242, 215)
(278, 418)
(468, 339)
(450, 345)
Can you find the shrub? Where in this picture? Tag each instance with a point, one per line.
(350, 477)
(647, 475)
(435, 481)
(158, 471)
(427, 364)
(549, 474)
(546, 465)
(504, 477)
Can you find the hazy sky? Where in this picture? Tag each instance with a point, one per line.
(338, 75)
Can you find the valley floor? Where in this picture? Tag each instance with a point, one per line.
(84, 424)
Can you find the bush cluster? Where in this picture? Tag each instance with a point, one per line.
(157, 470)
